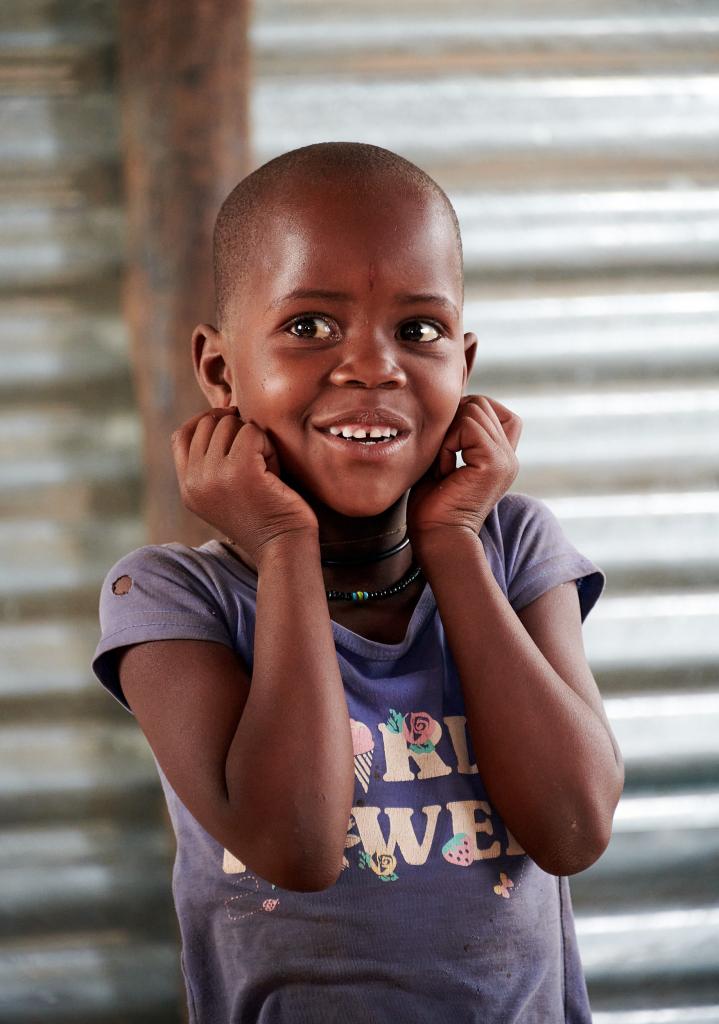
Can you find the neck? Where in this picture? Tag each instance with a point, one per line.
(350, 537)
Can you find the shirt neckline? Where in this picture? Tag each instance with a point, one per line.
(344, 637)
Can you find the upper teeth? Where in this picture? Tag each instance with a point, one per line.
(361, 432)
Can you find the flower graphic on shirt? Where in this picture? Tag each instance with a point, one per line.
(421, 732)
(505, 884)
(382, 863)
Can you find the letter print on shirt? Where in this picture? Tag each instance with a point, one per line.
(407, 739)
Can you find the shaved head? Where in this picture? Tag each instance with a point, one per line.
(361, 170)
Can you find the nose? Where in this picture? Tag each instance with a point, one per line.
(368, 362)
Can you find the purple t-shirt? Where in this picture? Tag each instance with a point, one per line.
(438, 913)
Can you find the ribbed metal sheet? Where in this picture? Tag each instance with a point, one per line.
(579, 144)
(87, 928)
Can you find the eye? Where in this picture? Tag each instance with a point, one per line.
(305, 329)
(419, 330)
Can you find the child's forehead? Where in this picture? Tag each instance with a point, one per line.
(343, 236)
(317, 203)
(324, 225)
(320, 248)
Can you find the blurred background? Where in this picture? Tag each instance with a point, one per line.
(579, 143)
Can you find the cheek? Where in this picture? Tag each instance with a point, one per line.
(443, 412)
(270, 395)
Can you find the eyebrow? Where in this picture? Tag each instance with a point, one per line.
(403, 299)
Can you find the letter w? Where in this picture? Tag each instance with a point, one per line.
(401, 832)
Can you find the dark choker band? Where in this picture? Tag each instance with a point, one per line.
(368, 558)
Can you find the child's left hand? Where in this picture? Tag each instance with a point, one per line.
(486, 432)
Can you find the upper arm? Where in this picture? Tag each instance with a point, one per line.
(553, 620)
(188, 697)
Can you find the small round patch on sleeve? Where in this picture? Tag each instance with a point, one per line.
(122, 585)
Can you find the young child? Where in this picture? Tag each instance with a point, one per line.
(381, 746)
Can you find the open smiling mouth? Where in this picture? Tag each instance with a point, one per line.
(367, 447)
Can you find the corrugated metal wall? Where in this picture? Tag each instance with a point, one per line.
(579, 143)
(87, 927)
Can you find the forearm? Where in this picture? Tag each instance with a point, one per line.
(289, 767)
(544, 755)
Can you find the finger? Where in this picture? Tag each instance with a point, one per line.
(255, 443)
(200, 440)
(182, 438)
(184, 433)
(465, 433)
(499, 408)
(492, 407)
(478, 413)
(513, 430)
(499, 413)
(179, 446)
(205, 427)
(180, 441)
(479, 436)
(223, 435)
(189, 425)
(502, 413)
(507, 421)
(446, 462)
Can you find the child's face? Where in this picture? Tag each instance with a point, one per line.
(294, 361)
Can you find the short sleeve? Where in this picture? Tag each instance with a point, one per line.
(157, 592)
(539, 555)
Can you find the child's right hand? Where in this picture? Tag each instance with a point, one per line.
(229, 475)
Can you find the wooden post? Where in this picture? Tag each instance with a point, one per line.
(184, 98)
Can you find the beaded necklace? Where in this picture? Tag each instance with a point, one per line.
(366, 595)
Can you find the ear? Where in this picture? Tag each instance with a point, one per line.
(213, 373)
(470, 352)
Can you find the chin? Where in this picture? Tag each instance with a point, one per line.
(358, 509)
(354, 512)
(346, 501)
(346, 497)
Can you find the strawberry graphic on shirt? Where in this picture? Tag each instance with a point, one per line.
(457, 850)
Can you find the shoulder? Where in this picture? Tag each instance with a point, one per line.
(170, 563)
(515, 516)
(517, 510)
(175, 578)
(537, 553)
(160, 592)
(167, 578)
